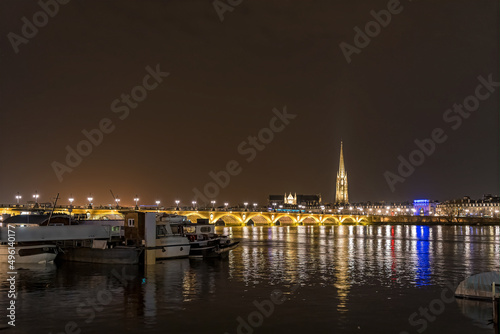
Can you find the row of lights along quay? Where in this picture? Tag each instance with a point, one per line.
(463, 210)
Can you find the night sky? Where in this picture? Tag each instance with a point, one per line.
(225, 78)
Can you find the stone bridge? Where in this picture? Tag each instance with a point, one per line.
(239, 218)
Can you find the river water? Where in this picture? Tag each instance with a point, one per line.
(321, 279)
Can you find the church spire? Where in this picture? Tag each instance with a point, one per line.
(341, 163)
(341, 196)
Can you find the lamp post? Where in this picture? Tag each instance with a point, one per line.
(226, 205)
(136, 200)
(255, 206)
(194, 205)
(177, 204)
(35, 196)
(18, 197)
(213, 205)
(157, 206)
(71, 199)
(274, 207)
(117, 200)
(245, 204)
(90, 199)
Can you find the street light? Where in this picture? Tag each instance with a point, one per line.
(255, 206)
(226, 205)
(213, 205)
(274, 207)
(246, 204)
(194, 204)
(177, 204)
(18, 197)
(157, 205)
(90, 199)
(71, 199)
(35, 196)
(136, 200)
(117, 200)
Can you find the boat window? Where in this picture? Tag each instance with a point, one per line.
(176, 229)
(160, 231)
(190, 229)
(131, 222)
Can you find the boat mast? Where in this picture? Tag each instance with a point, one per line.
(53, 208)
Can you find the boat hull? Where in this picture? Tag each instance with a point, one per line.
(117, 255)
(212, 251)
(172, 247)
(32, 254)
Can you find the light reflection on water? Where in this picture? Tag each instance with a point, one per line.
(342, 271)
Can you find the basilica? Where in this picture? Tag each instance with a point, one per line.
(292, 200)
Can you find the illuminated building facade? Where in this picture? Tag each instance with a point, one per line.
(294, 200)
(488, 206)
(422, 207)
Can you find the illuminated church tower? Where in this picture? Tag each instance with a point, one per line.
(341, 196)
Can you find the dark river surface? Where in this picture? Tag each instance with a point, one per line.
(305, 279)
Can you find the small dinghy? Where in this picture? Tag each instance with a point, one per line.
(479, 286)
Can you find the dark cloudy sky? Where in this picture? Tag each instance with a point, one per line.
(226, 78)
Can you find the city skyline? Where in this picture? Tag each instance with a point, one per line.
(274, 98)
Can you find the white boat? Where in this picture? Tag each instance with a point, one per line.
(170, 240)
(33, 252)
(480, 286)
(39, 238)
(29, 254)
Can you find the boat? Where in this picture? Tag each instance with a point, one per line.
(171, 242)
(24, 252)
(205, 243)
(28, 254)
(40, 238)
(483, 286)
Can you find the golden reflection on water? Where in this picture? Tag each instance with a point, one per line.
(313, 256)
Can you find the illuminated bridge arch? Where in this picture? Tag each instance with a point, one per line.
(363, 220)
(308, 220)
(258, 219)
(229, 219)
(284, 219)
(331, 220)
(193, 216)
(348, 220)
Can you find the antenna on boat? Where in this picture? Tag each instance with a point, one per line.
(53, 208)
